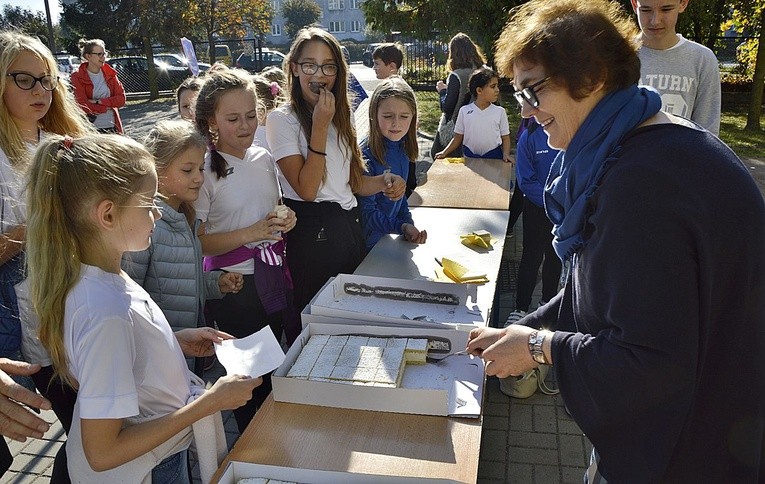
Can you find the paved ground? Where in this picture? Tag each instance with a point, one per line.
(523, 441)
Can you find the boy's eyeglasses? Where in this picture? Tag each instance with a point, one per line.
(311, 68)
(27, 81)
(529, 94)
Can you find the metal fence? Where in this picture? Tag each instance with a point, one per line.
(424, 61)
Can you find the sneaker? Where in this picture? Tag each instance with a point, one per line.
(514, 317)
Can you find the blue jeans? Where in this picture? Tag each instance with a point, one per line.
(173, 470)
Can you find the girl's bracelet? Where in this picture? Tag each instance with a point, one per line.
(317, 152)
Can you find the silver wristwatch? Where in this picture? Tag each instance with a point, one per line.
(535, 347)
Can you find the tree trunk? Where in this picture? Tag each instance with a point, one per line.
(210, 30)
(755, 101)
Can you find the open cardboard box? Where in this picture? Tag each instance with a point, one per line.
(453, 387)
(241, 470)
(379, 304)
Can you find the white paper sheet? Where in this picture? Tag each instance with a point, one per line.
(253, 356)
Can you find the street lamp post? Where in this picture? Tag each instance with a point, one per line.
(51, 38)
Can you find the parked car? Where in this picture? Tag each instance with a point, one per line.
(133, 71)
(177, 60)
(366, 56)
(222, 54)
(270, 58)
(67, 63)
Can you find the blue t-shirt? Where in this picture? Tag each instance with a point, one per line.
(533, 161)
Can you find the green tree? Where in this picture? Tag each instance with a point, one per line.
(298, 14)
(31, 23)
(229, 18)
(441, 19)
(114, 21)
(749, 16)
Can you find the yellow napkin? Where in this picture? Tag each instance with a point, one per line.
(459, 273)
(479, 238)
(454, 160)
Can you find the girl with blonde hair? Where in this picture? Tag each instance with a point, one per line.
(392, 146)
(91, 199)
(35, 104)
(170, 269)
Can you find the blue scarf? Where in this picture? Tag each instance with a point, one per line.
(576, 172)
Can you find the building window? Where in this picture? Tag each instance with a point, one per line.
(356, 4)
(337, 26)
(276, 30)
(335, 4)
(276, 5)
(355, 26)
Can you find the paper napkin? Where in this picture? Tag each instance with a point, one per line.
(459, 273)
(253, 356)
(478, 238)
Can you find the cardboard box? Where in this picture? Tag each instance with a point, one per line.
(377, 302)
(451, 388)
(242, 470)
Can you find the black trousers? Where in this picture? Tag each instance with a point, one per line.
(537, 245)
(62, 398)
(242, 314)
(516, 206)
(326, 241)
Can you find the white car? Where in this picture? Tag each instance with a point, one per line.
(177, 60)
(67, 63)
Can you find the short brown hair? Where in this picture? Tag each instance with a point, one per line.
(579, 44)
(389, 53)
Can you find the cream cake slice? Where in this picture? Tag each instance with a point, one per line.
(416, 351)
(358, 360)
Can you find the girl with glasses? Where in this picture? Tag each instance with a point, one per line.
(34, 105)
(313, 140)
(97, 89)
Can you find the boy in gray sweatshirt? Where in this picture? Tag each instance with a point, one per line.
(685, 73)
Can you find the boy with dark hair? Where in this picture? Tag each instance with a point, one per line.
(387, 60)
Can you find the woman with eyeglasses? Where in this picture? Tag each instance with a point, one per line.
(34, 104)
(97, 88)
(657, 339)
(313, 140)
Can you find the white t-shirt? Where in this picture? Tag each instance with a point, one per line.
(240, 199)
(482, 129)
(12, 206)
(260, 138)
(286, 138)
(100, 91)
(122, 352)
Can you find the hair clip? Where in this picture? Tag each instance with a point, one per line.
(275, 88)
(66, 145)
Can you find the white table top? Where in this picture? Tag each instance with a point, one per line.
(394, 257)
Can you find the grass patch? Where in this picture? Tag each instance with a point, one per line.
(746, 144)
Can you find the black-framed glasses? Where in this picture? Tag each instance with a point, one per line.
(529, 94)
(310, 68)
(100, 54)
(27, 81)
